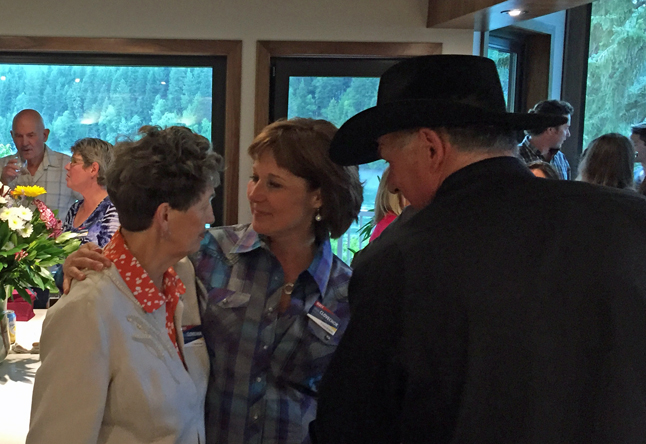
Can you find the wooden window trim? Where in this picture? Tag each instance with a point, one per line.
(231, 49)
(267, 49)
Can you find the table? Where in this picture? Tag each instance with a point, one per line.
(17, 374)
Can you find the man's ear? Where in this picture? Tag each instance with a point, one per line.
(45, 135)
(435, 146)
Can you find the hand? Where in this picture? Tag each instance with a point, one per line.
(87, 256)
(10, 171)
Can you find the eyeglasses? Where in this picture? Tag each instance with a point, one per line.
(76, 161)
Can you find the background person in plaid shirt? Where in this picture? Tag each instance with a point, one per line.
(45, 167)
(545, 143)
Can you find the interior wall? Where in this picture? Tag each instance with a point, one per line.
(246, 20)
(553, 24)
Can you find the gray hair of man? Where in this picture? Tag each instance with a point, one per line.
(494, 140)
(94, 150)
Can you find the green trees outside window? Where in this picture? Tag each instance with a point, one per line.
(337, 99)
(104, 101)
(503, 62)
(616, 85)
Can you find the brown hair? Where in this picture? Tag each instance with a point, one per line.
(609, 160)
(173, 165)
(548, 170)
(552, 107)
(302, 147)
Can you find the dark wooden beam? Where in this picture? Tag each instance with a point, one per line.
(486, 15)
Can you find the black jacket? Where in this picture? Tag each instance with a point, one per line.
(510, 310)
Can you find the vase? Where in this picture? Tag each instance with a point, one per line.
(5, 345)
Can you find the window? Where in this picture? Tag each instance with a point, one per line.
(109, 87)
(616, 82)
(506, 53)
(334, 90)
(107, 102)
(327, 74)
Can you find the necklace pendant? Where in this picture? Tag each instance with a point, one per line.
(288, 288)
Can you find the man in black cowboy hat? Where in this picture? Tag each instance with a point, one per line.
(509, 309)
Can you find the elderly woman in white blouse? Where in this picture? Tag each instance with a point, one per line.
(116, 367)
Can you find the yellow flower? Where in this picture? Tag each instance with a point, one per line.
(31, 191)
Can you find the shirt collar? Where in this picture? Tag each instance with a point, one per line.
(137, 279)
(531, 147)
(495, 169)
(249, 241)
(319, 269)
(321, 266)
(46, 159)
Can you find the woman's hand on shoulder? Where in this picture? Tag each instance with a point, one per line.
(88, 256)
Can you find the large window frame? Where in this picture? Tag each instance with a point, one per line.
(282, 68)
(279, 60)
(70, 50)
(514, 46)
(575, 75)
(267, 49)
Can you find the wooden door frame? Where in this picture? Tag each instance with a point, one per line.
(266, 49)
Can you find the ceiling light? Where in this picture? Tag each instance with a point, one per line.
(163, 83)
(514, 12)
(77, 80)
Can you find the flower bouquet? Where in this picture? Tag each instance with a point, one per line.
(31, 241)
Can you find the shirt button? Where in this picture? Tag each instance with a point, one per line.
(270, 310)
(258, 379)
(225, 301)
(328, 337)
(265, 347)
(255, 417)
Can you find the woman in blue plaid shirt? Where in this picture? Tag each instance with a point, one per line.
(276, 295)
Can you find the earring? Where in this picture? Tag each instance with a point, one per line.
(318, 217)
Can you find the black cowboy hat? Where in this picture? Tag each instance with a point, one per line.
(432, 91)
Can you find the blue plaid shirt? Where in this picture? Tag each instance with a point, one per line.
(265, 366)
(529, 154)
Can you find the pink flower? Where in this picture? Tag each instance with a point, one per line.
(20, 255)
(58, 229)
(46, 215)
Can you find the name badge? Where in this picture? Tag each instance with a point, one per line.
(191, 333)
(324, 318)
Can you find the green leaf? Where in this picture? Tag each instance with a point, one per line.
(37, 280)
(23, 294)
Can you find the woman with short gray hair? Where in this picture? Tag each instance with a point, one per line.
(122, 357)
(94, 216)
